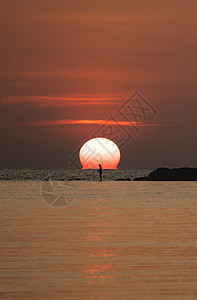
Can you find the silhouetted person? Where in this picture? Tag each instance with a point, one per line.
(100, 170)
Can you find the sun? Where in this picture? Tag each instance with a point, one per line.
(97, 151)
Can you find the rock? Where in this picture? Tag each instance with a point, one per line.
(165, 174)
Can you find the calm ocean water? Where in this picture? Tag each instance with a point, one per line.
(66, 174)
(98, 240)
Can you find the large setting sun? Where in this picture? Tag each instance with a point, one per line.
(97, 151)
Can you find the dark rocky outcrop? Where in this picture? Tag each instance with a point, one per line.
(165, 174)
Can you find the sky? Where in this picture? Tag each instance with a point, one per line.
(74, 70)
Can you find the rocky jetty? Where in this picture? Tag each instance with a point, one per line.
(176, 174)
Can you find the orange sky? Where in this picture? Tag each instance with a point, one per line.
(71, 65)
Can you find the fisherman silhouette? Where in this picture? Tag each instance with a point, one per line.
(100, 170)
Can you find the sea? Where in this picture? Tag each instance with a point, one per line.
(66, 235)
(67, 174)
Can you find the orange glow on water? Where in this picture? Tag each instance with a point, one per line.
(99, 151)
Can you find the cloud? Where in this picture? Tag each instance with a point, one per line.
(85, 99)
(86, 122)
